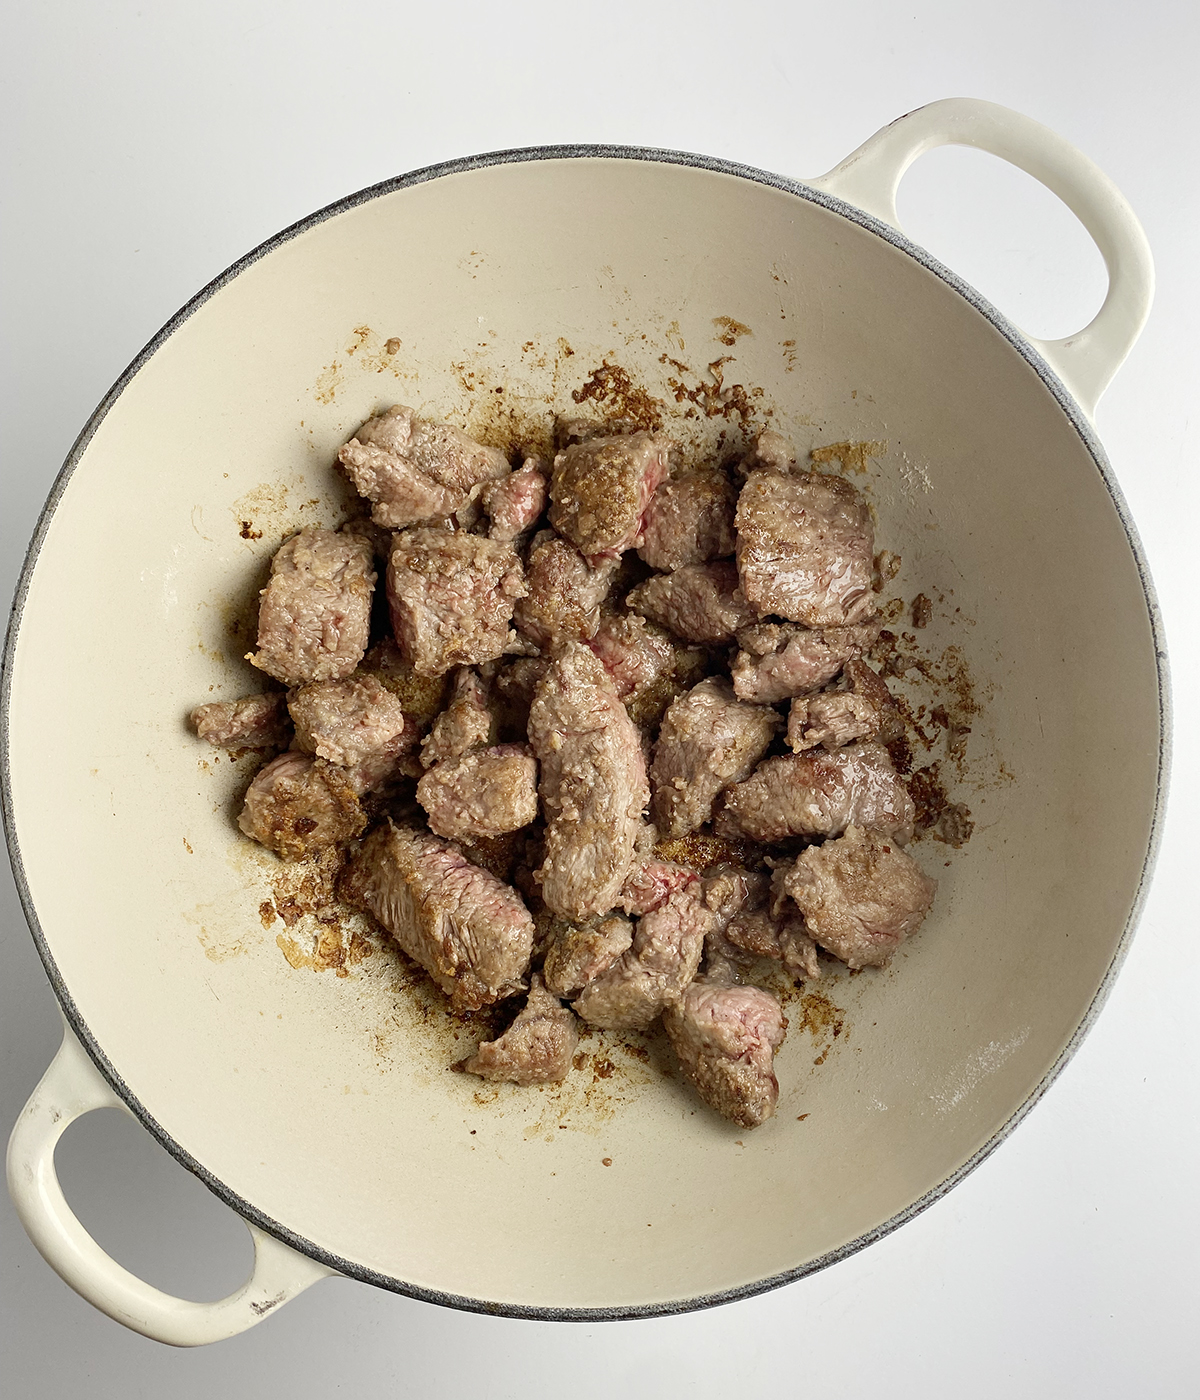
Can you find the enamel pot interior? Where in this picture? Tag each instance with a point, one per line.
(320, 1104)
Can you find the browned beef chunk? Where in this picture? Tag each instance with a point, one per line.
(315, 614)
(653, 881)
(820, 794)
(537, 1047)
(652, 974)
(747, 927)
(421, 698)
(465, 724)
(726, 1037)
(565, 593)
(415, 472)
(344, 721)
(515, 502)
(451, 597)
(635, 653)
(485, 793)
(862, 708)
(298, 805)
(469, 931)
(699, 602)
(579, 953)
(779, 660)
(689, 520)
(375, 772)
(763, 933)
(728, 890)
(861, 896)
(600, 489)
(593, 784)
(253, 722)
(804, 548)
(708, 740)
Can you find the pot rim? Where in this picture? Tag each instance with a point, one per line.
(1074, 414)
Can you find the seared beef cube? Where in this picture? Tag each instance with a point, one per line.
(565, 593)
(421, 697)
(451, 597)
(708, 740)
(699, 602)
(298, 805)
(593, 784)
(726, 1037)
(820, 794)
(580, 953)
(537, 1047)
(465, 724)
(832, 718)
(375, 772)
(804, 548)
(515, 502)
(315, 614)
(728, 890)
(689, 521)
(600, 489)
(415, 472)
(763, 933)
(485, 793)
(653, 881)
(634, 652)
(253, 722)
(861, 896)
(344, 721)
(654, 971)
(770, 450)
(779, 660)
(471, 932)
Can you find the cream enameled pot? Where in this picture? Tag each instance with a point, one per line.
(490, 290)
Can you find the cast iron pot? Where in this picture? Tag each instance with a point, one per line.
(491, 290)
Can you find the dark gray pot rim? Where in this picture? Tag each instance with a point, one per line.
(1071, 410)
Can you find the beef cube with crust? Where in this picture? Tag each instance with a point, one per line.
(653, 881)
(421, 698)
(315, 614)
(804, 548)
(451, 597)
(298, 805)
(700, 602)
(728, 890)
(635, 653)
(593, 784)
(726, 1037)
(482, 794)
(253, 722)
(782, 937)
(599, 491)
(653, 973)
(565, 593)
(860, 895)
(819, 794)
(862, 708)
(779, 660)
(579, 953)
(415, 472)
(689, 520)
(344, 721)
(708, 740)
(515, 502)
(466, 723)
(471, 932)
(536, 1049)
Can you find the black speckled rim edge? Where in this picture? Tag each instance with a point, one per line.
(1075, 416)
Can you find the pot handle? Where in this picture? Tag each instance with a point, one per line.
(1086, 361)
(71, 1087)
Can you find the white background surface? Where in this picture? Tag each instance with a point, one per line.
(147, 147)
